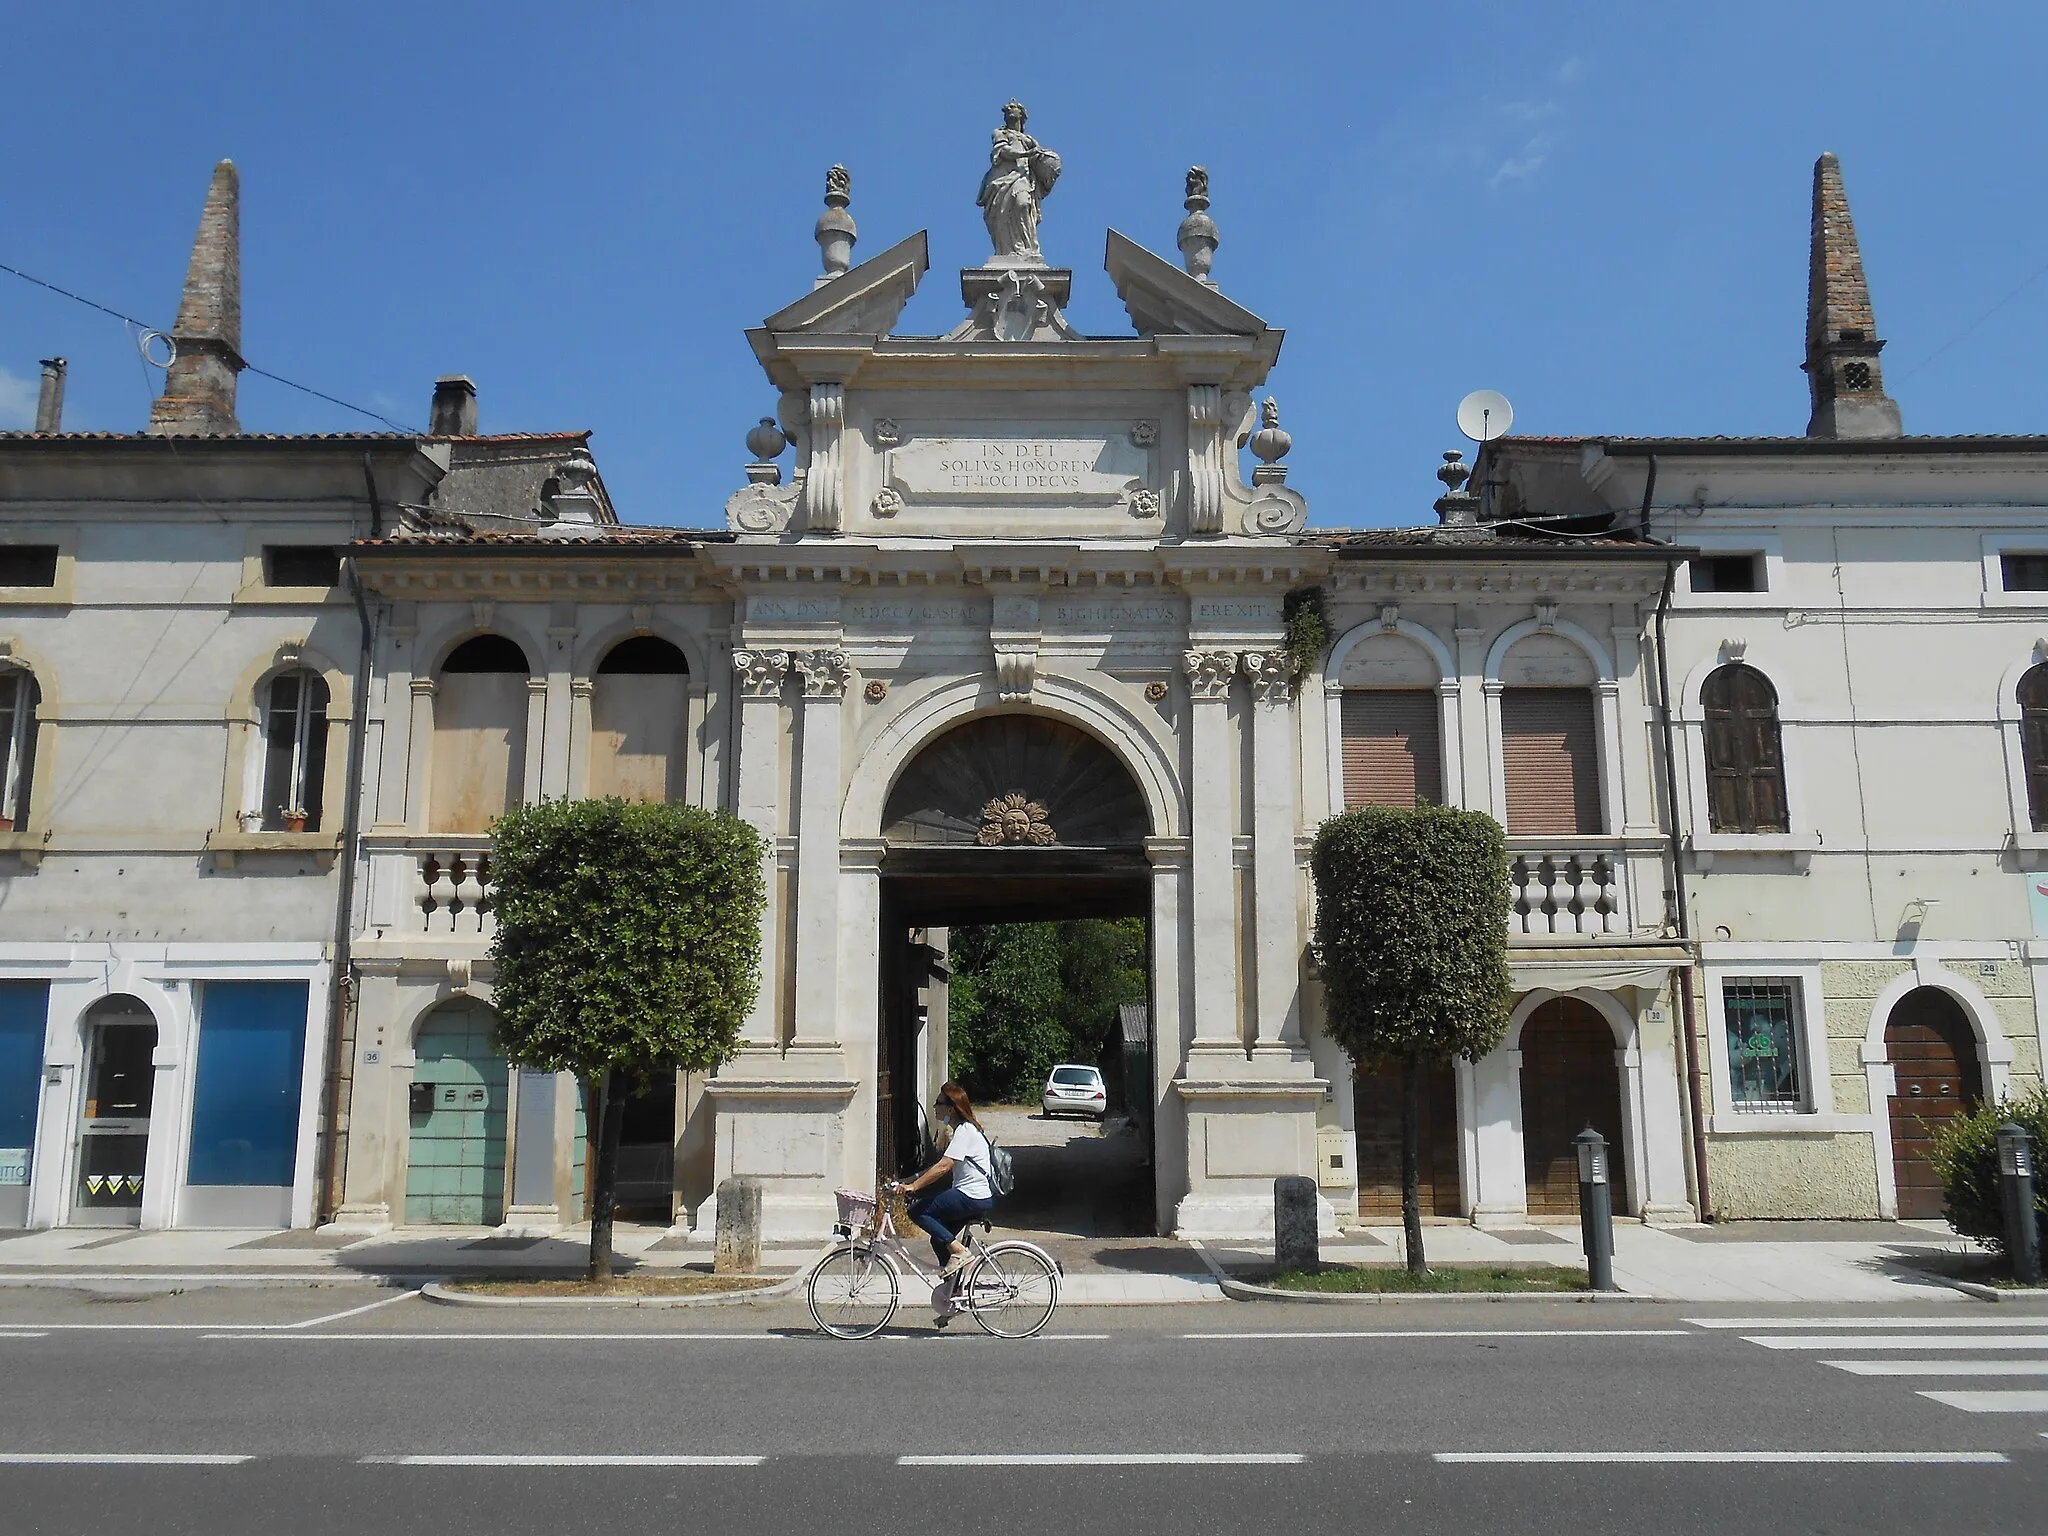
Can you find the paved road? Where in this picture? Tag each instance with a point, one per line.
(1435, 1417)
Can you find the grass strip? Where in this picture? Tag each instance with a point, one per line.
(621, 1285)
(1345, 1279)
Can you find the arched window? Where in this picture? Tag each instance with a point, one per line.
(1550, 738)
(19, 697)
(294, 751)
(1745, 763)
(478, 768)
(2033, 701)
(639, 707)
(1388, 717)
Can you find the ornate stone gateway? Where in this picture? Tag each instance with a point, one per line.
(1016, 781)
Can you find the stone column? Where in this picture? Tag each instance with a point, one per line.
(825, 675)
(1212, 818)
(758, 802)
(1276, 905)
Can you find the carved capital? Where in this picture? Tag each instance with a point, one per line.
(1271, 674)
(760, 672)
(826, 673)
(1209, 672)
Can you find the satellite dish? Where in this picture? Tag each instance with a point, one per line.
(1484, 415)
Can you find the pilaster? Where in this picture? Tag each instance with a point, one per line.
(1212, 880)
(826, 673)
(1276, 906)
(758, 803)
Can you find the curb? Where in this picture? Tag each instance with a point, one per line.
(1989, 1292)
(788, 1285)
(1240, 1290)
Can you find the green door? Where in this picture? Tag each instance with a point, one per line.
(455, 1171)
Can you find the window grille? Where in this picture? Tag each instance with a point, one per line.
(1764, 1072)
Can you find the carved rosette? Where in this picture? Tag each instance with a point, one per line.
(1209, 672)
(1143, 504)
(888, 502)
(760, 672)
(1271, 674)
(1013, 819)
(826, 673)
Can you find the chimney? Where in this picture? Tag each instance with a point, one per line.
(1842, 371)
(454, 411)
(199, 388)
(50, 403)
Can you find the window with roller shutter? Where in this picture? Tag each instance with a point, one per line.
(1393, 752)
(1745, 759)
(1551, 757)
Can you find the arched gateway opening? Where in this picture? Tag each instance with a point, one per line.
(1001, 821)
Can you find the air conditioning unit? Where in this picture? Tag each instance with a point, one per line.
(1336, 1158)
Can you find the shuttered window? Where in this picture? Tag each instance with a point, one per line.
(2033, 701)
(1392, 750)
(1745, 763)
(1552, 761)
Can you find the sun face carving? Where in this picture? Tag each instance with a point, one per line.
(1013, 819)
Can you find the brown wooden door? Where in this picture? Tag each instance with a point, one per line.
(1933, 1053)
(1376, 1096)
(1570, 1080)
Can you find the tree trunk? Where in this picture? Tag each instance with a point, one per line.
(604, 1183)
(1411, 1163)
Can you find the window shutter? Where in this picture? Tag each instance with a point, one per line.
(1393, 753)
(1745, 763)
(1552, 760)
(2033, 700)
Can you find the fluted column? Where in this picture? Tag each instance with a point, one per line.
(758, 803)
(1212, 879)
(825, 676)
(1276, 907)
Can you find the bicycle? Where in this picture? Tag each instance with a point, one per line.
(1009, 1288)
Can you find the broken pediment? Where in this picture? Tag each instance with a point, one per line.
(863, 301)
(1165, 301)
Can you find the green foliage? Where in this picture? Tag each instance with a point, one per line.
(629, 936)
(1027, 996)
(1965, 1156)
(1306, 628)
(1411, 927)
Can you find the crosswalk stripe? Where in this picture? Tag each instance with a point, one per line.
(1941, 1367)
(1993, 1402)
(2020, 1341)
(1755, 1324)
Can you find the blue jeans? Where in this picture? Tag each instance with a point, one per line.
(946, 1215)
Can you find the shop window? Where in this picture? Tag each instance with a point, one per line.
(24, 1012)
(19, 697)
(1763, 1026)
(245, 1098)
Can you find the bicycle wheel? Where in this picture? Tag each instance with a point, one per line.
(1011, 1290)
(853, 1292)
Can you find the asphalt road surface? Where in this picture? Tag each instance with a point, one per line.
(243, 1411)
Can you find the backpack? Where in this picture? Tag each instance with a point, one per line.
(1002, 1169)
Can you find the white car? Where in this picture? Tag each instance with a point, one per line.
(1075, 1091)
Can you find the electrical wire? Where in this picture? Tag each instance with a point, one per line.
(148, 330)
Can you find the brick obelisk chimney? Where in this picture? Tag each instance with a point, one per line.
(199, 389)
(1842, 344)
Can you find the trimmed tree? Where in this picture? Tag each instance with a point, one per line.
(628, 944)
(1411, 929)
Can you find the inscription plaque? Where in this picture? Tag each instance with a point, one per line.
(1070, 464)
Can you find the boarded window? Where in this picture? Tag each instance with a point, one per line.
(1745, 762)
(638, 710)
(2033, 702)
(1392, 751)
(479, 762)
(1551, 756)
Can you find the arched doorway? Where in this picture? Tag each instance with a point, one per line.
(1935, 1077)
(455, 1159)
(1570, 1080)
(1376, 1097)
(1006, 820)
(113, 1126)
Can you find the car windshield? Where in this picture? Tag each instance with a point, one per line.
(1086, 1077)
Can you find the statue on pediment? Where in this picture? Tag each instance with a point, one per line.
(1020, 175)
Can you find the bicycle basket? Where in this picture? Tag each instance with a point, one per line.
(856, 1207)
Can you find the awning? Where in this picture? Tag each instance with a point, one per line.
(1602, 967)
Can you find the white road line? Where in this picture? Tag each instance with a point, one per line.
(1993, 1402)
(117, 1459)
(1725, 1458)
(1467, 1333)
(1899, 1341)
(1941, 1367)
(335, 1317)
(11, 1334)
(1111, 1459)
(562, 1460)
(1748, 1324)
(460, 1338)
(238, 1329)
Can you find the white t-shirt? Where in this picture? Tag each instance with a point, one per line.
(969, 1151)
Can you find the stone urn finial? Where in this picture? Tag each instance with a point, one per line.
(1270, 444)
(1198, 237)
(835, 232)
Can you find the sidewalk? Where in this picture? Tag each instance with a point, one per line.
(1755, 1262)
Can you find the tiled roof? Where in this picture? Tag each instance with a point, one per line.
(288, 437)
(541, 538)
(1910, 443)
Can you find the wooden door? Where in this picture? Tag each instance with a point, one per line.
(1376, 1096)
(1933, 1053)
(1570, 1080)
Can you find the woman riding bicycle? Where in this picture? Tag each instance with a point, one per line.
(947, 1213)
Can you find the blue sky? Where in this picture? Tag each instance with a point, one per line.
(1599, 210)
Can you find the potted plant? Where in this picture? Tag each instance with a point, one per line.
(295, 818)
(252, 821)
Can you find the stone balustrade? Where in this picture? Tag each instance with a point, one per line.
(1572, 888)
(453, 891)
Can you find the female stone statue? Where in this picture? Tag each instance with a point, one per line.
(1019, 176)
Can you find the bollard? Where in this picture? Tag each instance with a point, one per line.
(1296, 1244)
(737, 1249)
(2022, 1226)
(1596, 1208)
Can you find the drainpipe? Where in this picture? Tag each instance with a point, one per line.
(1685, 974)
(340, 994)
